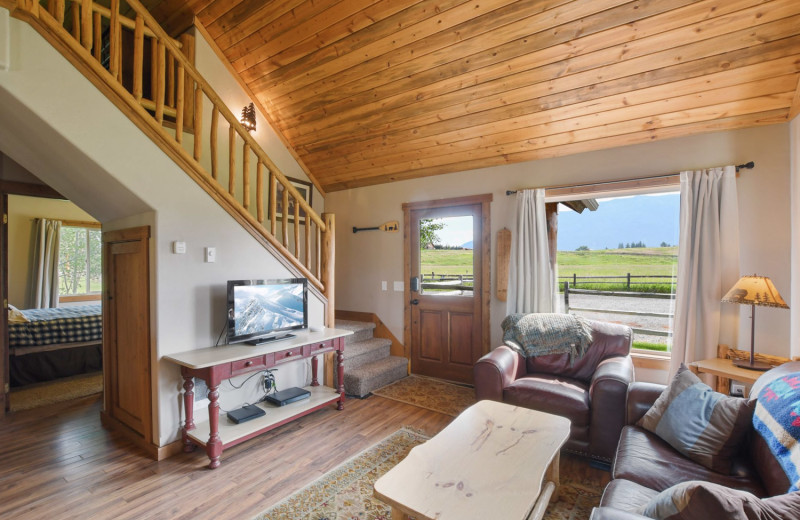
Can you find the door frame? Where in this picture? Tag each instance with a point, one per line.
(29, 190)
(486, 237)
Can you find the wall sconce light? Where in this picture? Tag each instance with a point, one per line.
(248, 119)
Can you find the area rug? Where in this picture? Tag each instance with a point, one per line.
(41, 394)
(345, 493)
(431, 394)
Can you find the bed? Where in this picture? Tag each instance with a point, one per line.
(55, 343)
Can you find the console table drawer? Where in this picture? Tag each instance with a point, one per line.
(288, 355)
(319, 347)
(244, 366)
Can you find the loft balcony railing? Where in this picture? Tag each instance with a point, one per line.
(152, 79)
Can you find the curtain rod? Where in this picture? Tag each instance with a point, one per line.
(746, 166)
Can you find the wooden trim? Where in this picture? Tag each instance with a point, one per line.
(381, 330)
(503, 256)
(4, 373)
(486, 271)
(152, 451)
(407, 278)
(30, 190)
(126, 235)
(80, 298)
(650, 361)
(795, 108)
(458, 201)
(238, 77)
(81, 223)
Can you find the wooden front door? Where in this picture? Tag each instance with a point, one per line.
(447, 270)
(126, 329)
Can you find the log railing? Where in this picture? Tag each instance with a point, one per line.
(124, 53)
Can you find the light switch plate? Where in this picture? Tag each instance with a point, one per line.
(179, 248)
(398, 286)
(211, 255)
(384, 285)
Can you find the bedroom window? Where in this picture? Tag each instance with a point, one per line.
(79, 263)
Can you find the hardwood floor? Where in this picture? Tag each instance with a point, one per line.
(58, 462)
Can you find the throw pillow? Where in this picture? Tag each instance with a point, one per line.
(696, 500)
(704, 425)
(777, 420)
(15, 316)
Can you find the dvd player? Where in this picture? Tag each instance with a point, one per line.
(290, 395)
(245, 413)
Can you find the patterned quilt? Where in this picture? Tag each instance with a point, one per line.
(59, 325)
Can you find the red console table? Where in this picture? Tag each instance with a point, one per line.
(216, 364)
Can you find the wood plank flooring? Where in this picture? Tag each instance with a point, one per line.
(58, 462)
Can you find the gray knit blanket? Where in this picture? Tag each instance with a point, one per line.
(541, 334)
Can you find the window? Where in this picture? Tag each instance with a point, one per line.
(618, 262)
(446, 256)
(79, 263)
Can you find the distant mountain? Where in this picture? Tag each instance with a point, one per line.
(467, 245)
(648, 219)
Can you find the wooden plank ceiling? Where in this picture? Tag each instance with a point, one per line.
(374, 91)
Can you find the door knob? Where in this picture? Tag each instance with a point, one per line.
(415, 302)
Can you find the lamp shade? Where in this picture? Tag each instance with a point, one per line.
(755, 290)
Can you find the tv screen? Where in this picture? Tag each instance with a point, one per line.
(260, 310)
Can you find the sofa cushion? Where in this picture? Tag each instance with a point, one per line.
(644, 458)
(706, 426)
(777, 420)
(696, 500)
(626, 495)
(551, 394)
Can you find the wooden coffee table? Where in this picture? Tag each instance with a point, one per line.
(493, 461)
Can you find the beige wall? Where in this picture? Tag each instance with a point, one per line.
(365, 259)
(794, 134)
(59, 127)
(21, 212)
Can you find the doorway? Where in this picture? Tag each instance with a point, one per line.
(447, 245)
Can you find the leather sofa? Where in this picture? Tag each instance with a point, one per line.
(589, 392)
(646, 465)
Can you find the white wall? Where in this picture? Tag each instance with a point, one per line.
(794, 137)
(21, 214)
(58, 126)
(364, 259)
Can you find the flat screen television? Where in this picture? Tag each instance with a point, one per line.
(265, 310)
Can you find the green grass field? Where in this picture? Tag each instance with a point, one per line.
(609, 262)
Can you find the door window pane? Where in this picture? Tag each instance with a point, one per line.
(446, 256)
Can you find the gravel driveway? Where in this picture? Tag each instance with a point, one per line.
(627, 303)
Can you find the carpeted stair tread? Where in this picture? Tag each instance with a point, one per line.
(371, 376)
(366, 351)
(362, 330)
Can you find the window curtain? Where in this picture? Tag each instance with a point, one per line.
(531, 280)
(45, 263)
(708, 265)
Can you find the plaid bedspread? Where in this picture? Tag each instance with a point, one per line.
(60, 325)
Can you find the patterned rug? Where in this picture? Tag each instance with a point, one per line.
(431, 394)
(345, 493)
(41, 394)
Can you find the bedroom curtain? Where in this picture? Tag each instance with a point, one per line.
(708, 265)
(531, 281)
(45, 263)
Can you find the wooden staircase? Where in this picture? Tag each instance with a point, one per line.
(151, 78)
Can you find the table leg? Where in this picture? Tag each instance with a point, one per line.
(314, 380)
(188, 407)
(552, 475)
(340, 377)
(397, 514)
(214, 446)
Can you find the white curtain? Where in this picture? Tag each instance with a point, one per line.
(45, 263)
(708, 265)
(531, 282)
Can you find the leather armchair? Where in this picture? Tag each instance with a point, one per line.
(590, 392)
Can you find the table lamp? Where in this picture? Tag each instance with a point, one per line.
(754, 290)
